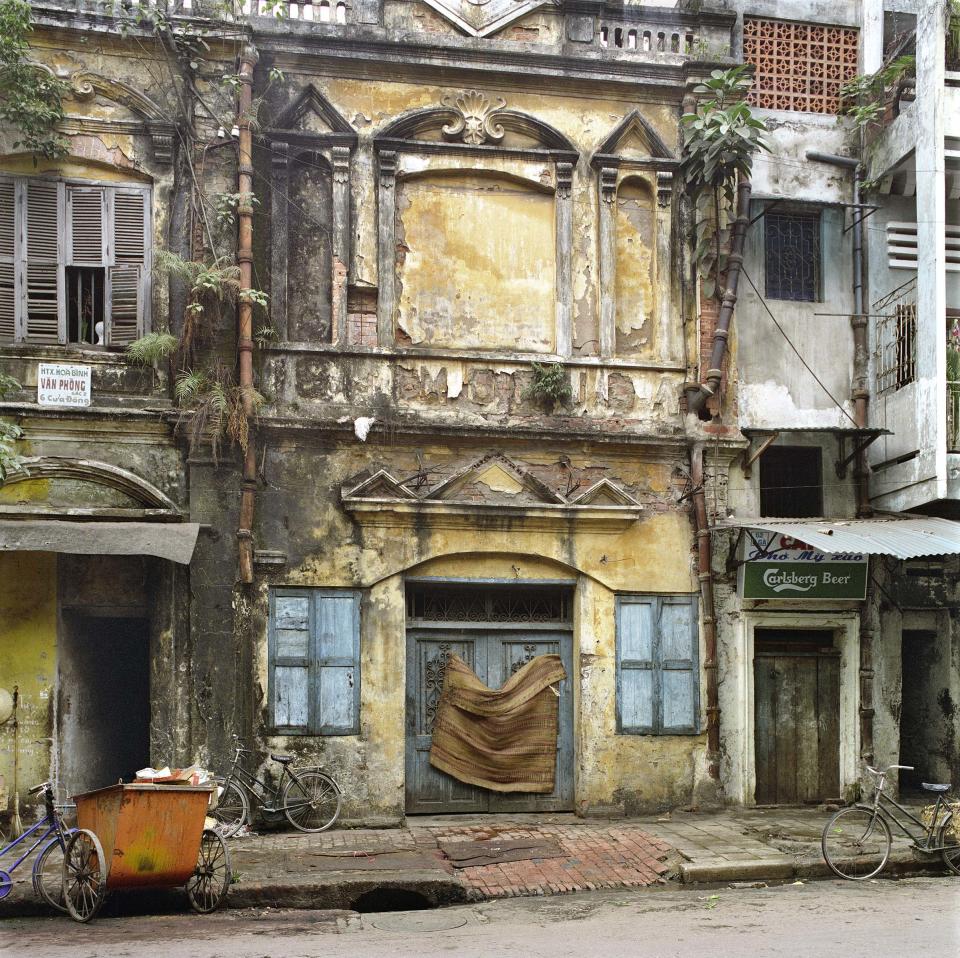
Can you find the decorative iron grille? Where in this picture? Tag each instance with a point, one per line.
(895, 357)
(792, 255)
(429, 603)
(799, 66)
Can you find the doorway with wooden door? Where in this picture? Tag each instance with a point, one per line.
(495, 630)
(796, 716)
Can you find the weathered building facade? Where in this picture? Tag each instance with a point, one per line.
(482, 314)
(446, 194)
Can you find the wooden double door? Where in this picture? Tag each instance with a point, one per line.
(494, 655)
(796, 716)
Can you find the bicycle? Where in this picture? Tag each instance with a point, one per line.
(47, 876)
(308, 797)
(856, 841)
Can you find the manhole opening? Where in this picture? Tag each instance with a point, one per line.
(391, 899)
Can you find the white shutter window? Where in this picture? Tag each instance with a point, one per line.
(44, 268)
(86, 215)
(8, 283)
(126, 309)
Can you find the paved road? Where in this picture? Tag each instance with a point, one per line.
(916, 917)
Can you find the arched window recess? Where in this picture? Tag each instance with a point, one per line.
(310, 129)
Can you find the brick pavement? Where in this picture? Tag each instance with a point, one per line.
(598, 856)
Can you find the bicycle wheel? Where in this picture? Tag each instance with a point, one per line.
(84, 875)
(950, 856)
(210, 881)
(232, 810)
(48, 873)
(856, 843)
(311, 801)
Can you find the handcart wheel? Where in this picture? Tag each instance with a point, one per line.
(84, 875)
(48, 873)
(6, 884)
(208, 885)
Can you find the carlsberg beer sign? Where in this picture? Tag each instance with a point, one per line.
(780, 567)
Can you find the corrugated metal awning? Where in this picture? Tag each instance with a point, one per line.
(174, 540)
(905, 537)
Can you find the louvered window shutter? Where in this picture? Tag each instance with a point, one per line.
(8, 278)
(129, 277)
(44, 265)
(86, 214)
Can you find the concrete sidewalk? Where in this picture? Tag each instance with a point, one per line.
(443, 860)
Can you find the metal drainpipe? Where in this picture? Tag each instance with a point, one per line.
(248, 60)
(705, 576)
(860, 392)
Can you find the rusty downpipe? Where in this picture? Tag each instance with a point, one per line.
(705, 576)
(248, 488)
(696, 398)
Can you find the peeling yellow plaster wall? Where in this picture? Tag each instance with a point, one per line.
(475, 263)
(28, 637)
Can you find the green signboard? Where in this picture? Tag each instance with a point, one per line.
(804, 580)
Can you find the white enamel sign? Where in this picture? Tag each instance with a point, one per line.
(63, 384)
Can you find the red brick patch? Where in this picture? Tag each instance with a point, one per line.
(598, 857)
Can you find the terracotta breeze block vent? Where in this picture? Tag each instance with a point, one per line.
(799, 66)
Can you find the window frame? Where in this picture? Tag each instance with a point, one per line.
(110, 264)
(656, 664)
(795, 210)
(813, 451)
(313, 661)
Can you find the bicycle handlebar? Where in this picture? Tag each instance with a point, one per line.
(873, 771)
(42, 787)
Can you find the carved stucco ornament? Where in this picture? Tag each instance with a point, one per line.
(476, 122)
(483, 18)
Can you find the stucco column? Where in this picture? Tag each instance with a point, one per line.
(564, 246)
(668, 330)
(341, 244)
(386, 247)
(608, 261)
(931, 241)
(279, 236)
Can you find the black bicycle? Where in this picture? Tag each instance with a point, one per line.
(308, 797)
(856, 841)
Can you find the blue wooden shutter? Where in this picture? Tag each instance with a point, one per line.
(679, 678)
(336, 694)
(290, 659)
(636, 618)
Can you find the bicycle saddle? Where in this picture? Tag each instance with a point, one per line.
(287, 759)
(935, 788)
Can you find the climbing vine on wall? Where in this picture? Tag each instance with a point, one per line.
(31, 97)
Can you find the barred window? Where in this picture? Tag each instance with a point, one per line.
(799, 66)
(792, 255)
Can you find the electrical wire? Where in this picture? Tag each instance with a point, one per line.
(806, 365)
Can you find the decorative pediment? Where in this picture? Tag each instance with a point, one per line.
(470, 118)
(84, 85)
(489, 493)
(54, 487)
(312, 113)
(494, 478)
(481, 18)
(605, 493)
(633, 139)
(381, 485)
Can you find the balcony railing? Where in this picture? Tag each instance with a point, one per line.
(953, 416)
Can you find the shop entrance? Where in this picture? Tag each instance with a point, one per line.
(103, 701)
(495, 631)
(926, 737)
(796, 716)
